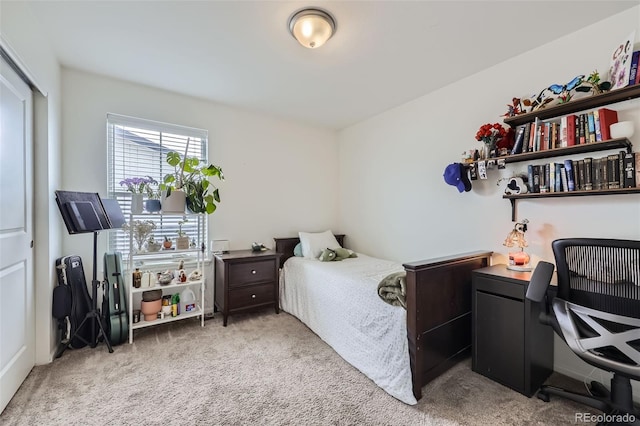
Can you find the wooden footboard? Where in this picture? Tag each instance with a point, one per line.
(439, 313)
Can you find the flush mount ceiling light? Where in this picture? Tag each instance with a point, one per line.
(312, 27)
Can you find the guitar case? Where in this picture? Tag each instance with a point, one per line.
(72, 303)
(114, 302)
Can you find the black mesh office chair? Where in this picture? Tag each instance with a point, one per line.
(597, 312)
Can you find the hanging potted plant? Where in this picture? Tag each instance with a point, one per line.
(191, 178)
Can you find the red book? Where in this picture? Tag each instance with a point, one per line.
(607, 118)
(571, 130)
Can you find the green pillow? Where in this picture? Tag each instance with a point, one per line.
(297, 250)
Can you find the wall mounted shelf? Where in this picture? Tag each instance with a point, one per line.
(590, 102)
(623, 143)
(514, 198)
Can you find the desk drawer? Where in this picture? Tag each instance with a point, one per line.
(251, 295)
(244, 273)
(499, 287)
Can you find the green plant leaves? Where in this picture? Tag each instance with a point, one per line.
(200, 193)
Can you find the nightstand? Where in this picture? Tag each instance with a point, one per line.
(509, 344)
(245, 280)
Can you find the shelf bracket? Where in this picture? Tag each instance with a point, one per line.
(513, 209)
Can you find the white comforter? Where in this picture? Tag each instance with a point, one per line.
(340, 303)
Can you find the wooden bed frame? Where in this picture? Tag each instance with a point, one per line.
(438, 309)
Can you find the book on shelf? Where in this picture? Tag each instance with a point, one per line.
(580, 168)
(544, 177)
(613, 171)
(525, 139)
(571, 130)
(564, 180)
(552, 176)
(536, 179)
(637, 168)
(607, 118)
(604, 165)
(581, 129)
(629, 178)
(588, 182)
(633, 72)
(596, 173)
(596, 122)
(517, 146)
(591, 129)
(536, 140)
(551, 143)
(546, 133)
(568, 168)
(621, 155)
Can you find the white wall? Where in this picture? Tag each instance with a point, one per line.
(22, 36)
(281, 177)
(395, 204)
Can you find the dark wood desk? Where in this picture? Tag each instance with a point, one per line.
(509, 344)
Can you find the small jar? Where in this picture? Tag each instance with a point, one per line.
(137, 278)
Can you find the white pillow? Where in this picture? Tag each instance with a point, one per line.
(314, 242)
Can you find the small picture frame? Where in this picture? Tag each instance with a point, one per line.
(482, 170)
(220, 246)
(473, 171)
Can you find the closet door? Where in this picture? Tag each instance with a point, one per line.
(17, 314)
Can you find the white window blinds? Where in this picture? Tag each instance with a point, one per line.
(138, 148)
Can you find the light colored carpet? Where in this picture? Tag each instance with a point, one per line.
(261, 369)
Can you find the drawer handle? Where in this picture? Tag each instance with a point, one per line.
(253, 296)
(253, 271)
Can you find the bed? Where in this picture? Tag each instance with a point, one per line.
(400, 350)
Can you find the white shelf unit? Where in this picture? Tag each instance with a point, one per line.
(156, 262)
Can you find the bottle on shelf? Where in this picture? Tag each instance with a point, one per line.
(137, 278)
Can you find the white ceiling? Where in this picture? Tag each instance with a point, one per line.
(240, 53)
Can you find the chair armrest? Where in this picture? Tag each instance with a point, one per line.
(540, 280)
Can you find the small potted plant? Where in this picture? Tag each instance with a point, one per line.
(139, 186)
(182, 241)
(153, 204)
(167, 243)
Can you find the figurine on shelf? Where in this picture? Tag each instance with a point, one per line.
(514, 109)
(564, 91)
(594, 85)
(540, 101)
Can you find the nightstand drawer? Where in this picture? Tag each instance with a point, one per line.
(244, 273)
(252, 295)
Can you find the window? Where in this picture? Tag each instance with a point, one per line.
(138, 148)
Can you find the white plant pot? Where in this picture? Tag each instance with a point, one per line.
(175, 203)
(136, 203)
